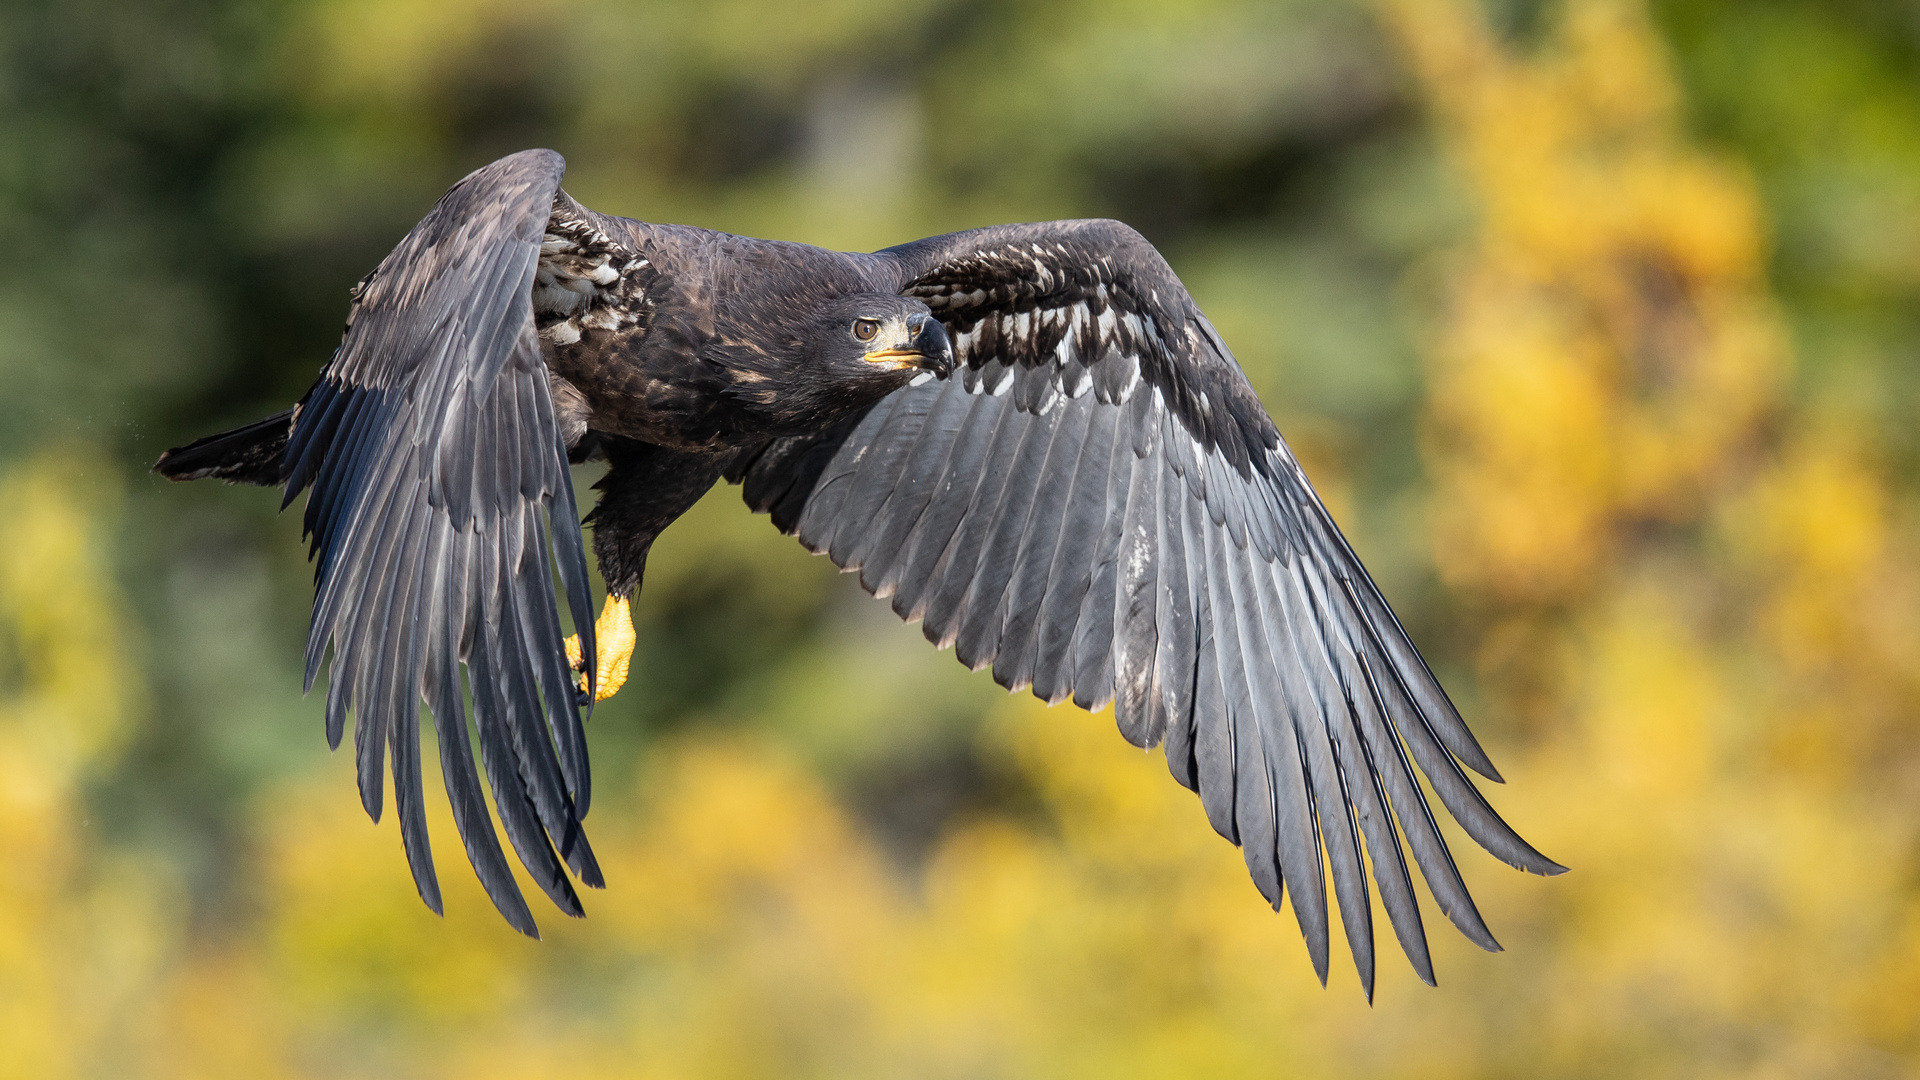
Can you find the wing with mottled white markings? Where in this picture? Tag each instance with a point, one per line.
(1097, 506)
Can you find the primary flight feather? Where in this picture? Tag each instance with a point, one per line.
(1028, 437)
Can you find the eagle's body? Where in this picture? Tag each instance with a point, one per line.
(672, 350)
(1093, 503)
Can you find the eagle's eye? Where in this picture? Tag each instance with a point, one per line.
(865, 329)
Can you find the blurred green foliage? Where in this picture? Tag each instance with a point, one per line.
(230, 170)
(1594, 323)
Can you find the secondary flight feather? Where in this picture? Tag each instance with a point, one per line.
(1028, 438)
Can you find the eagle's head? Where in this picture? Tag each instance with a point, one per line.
(843, 353)
(875, 340)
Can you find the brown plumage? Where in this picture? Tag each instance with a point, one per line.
(1094, 504)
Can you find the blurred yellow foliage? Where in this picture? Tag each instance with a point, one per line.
(1689, 592)
(81, 929)
(1609, 347)
(1690, 603)
(754, 931)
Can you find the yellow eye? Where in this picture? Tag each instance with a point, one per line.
(865, 329)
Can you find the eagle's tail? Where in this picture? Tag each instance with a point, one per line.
(254, 454)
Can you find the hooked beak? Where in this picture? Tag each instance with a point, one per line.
(929, 349)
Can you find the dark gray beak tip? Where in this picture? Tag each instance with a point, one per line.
(932, 342)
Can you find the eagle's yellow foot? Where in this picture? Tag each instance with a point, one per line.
(613, 640)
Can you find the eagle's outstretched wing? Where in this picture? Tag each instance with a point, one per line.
(1097, 505)
(441, 500)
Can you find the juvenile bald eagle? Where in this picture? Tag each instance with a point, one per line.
(1028, 437)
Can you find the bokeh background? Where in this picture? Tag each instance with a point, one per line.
(1596, 321)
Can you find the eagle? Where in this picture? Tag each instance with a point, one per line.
(1028, 438)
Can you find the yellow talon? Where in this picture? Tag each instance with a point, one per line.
(613, 639)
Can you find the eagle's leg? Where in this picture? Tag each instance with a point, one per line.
(613, 640)
(646, 488)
